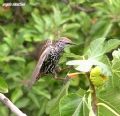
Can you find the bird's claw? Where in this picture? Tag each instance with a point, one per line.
(66, 79)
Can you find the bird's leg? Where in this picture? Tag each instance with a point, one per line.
(62, 79)
(56, 77)
(67, 68)
(58, 69)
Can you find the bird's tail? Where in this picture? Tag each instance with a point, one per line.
(29, 83)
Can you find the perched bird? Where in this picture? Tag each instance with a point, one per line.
(49, 55)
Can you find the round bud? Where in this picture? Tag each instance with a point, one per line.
(96, 77)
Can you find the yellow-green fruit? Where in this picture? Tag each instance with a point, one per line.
(95, 71)
(96, 77)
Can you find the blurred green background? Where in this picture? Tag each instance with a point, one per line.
(83, 21)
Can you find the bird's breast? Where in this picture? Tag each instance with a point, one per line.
(51, 61)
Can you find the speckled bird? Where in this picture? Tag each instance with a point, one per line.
(49, 55)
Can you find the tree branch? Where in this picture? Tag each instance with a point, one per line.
(10, 105)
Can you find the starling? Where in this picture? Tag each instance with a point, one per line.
(49, 55)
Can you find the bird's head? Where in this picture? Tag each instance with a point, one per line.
(62, 42)
(65, 40)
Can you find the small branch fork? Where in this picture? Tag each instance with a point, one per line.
(10, 105)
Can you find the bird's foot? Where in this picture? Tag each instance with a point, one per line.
(66, 79)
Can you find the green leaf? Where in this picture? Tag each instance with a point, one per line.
(75, 81)
(111, 44)
(3, 86)
(116, 67)
(57, 15)
(3, 110)
(107, 110)
(99, 47)
(16, 95)
(112, 101)
(33, 98)
(71, 26)
(41, 92)
(86, 65)
(9, 41)
(116, 64)
(9, 58)
(95, 49)
(112, 89)
(4, 48)
(115, 72)
(1, 2)
(23, 103)
(101, 29)
(39, 23)
(53, 106)
(73, 105)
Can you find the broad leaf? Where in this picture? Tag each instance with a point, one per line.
(86, 65)
(110, 96)
(99, 47)
(53, 106)
(95, 49)
(111, 44)
(73, 105)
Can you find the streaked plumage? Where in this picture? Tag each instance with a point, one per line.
(49, 55)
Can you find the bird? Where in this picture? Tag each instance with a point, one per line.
(49, 54)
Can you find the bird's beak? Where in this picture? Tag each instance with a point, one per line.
(72, 43)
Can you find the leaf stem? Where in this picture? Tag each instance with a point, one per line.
(106, 106)
(94, 98)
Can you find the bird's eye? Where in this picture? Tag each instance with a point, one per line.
(67, 43)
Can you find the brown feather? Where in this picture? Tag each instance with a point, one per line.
(43, 51)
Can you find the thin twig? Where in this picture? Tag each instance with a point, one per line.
(94, 98)
(10, 105)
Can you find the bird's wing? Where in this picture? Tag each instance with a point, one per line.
(43, 45)
(40, 48)
(43, 54)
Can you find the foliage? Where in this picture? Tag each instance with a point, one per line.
(94, 27)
